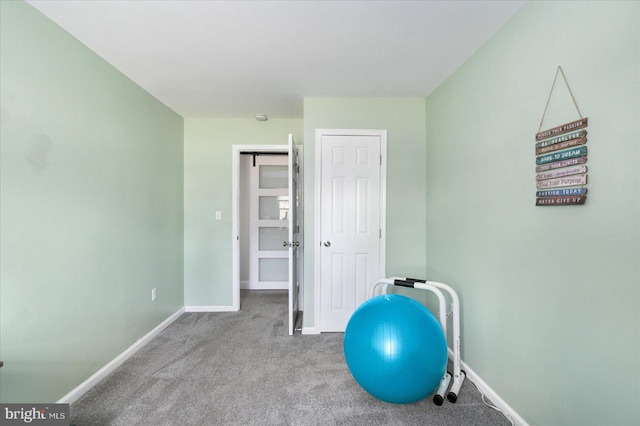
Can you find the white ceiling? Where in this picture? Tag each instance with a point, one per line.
(238, 58)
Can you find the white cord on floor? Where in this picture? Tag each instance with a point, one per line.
(488, 404)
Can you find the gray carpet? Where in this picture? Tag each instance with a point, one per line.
(242, 368)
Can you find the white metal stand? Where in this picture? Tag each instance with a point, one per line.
(437, 288)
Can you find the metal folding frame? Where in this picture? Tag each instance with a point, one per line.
(437, 289)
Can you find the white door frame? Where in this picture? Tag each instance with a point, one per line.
(317, 209)
(236, 150)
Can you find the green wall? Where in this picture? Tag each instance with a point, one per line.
(207, 189)
(95, 199)
(404, 120)
(551, 295)
(90, 206)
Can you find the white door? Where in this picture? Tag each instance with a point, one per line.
(351, 212)
(268, 222)
(293, 241)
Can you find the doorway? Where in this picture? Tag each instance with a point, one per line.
(264, 209)
(278, 233)
(350, 222)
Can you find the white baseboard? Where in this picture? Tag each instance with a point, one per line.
(310, 330)
(272, 286)
(491, 394)
(83, 387)
(226, 308)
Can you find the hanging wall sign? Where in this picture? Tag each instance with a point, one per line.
(561, 192)
(563, 163)
(562, 145)
(564, 138)
(568, 171)
(560, 157)
(565, 181)
(574, 125)
(561, 201)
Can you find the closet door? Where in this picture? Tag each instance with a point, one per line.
(350, 179)
(268, 223)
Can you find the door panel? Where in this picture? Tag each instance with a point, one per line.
(273, 269)
(350, 223)
(338, 290)
(273, 207)
(272, 176)
(293, 233)
(362, 206)
(337, 207)
(271, 238)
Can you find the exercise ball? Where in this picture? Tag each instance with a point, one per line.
(395, 349)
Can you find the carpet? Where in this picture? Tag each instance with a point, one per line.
(242, 368)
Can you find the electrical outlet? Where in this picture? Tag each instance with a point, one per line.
(218, 215)
(154, 294)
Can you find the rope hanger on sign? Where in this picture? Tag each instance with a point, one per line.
(559, 71)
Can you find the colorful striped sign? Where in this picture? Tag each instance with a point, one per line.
(561, 192)
(563, 181)
(561, 145)
(562, 172)
(563, 138)
(562, 155)
(561, 201)
(564, 128)
(559, 164)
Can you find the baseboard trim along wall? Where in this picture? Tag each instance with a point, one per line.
(310, 330)
(491, 394)
(209, 309)
(84, 387)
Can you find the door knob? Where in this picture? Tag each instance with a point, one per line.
(327, 243)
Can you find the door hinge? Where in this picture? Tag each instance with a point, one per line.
(380, 233)
(381, 159)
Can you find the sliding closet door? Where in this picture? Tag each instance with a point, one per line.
(268, 223)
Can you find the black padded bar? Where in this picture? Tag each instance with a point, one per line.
(415, 280)
(402, 283)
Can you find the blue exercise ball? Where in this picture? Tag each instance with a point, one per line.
(395, 349)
